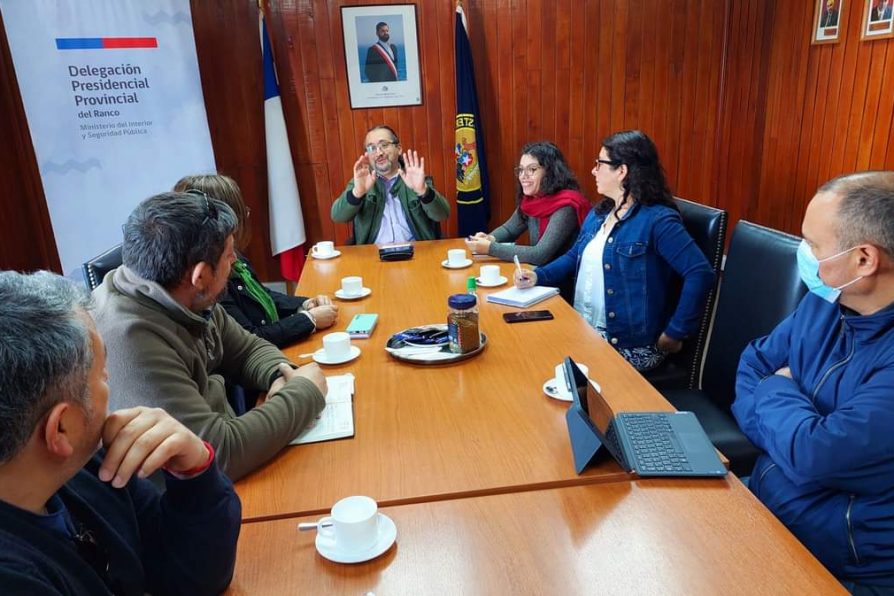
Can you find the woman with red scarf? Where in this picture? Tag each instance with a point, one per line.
(550, 207)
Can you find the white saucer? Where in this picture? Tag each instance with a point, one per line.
(549, 388)
(500, 281)
(463, 265)
(364, 292)
(335, 253)
(320, 356)
(387, 536)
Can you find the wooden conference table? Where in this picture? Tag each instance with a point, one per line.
(472, 462)
(423, 433)
(641, 537)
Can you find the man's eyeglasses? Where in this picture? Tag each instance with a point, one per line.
(210, 207)
(608, 162)
(381, 146)
(526, 171)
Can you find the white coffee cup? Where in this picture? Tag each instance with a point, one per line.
(354, 523)
(559, 380)
(490, 274)
(456, 257)
(337, 346)
(352, 286)
(323, 249)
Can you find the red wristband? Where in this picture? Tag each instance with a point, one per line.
(196, 470)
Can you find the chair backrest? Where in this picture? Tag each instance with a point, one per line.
(96, 268)
(760, 287)
(707, 226)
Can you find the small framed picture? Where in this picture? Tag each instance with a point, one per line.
(382, 55)
(878, 20)
(827, 18)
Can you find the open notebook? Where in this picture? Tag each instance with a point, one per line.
(522, 298)
(337, 418)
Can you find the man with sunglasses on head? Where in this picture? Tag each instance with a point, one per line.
(74, 521)
(390, 199)
(171, 344)
(816, 396)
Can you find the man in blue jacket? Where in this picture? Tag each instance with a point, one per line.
(817, 394)
(76, 522)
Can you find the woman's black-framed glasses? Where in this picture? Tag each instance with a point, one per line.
(608, 162)
(210, 207)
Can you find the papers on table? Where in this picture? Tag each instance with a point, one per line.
(337, 418)
(522, 298)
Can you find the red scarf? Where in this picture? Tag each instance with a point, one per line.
(544, 206)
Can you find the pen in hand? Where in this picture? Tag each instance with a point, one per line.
(517, 264)
(524, 278)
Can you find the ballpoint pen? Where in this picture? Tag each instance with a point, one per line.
(517, 264)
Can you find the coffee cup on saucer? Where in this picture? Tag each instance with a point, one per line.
(337, 346)
(352, 286)
(323, 249)
(353, 524)
(456, 257)
(490, 275)
(557, 388)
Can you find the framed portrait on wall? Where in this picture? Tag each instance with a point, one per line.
(827, 18)
(382, 55)
(878, 20)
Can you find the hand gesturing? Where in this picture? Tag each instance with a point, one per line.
(413, 173)
(363, 176)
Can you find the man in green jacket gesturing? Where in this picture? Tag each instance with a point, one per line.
(390, 200)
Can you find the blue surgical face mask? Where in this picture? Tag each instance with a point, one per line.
(808, 268)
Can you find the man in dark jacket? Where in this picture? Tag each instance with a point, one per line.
(817, 394)
(71, 521)
(381, 57)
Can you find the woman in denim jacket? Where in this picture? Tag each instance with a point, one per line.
(629, 249)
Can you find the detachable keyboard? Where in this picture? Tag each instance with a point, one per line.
(654, 446)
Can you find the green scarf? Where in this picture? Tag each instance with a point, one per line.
(256, 290)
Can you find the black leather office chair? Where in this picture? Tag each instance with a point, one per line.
(707, 226)
(96, 268)
(760, 287)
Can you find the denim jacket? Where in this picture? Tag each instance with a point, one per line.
(827, 468)
(641, 255)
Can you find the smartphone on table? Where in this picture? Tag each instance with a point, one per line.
(527, 315)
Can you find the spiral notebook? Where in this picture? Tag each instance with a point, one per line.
(336, 421)
(522, 298)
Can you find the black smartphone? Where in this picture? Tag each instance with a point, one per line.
(527, 315)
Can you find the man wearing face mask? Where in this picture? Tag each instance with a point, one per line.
(817, 394)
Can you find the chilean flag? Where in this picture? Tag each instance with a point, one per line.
(287, 236)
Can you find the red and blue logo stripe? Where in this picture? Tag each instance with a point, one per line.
(105, 43)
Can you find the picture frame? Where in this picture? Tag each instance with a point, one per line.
(878, 20)
(382, 55)
(828, 17)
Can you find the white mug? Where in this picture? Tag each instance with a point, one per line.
(323, 249)
(490, 274)
(337, 345)
(354, 523)
(456, 257)
(559, 381)
(352, 286)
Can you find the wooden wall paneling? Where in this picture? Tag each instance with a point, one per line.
(552, 84)
(500, 108)
(28, 241)
(618, 69)
(881, 146)
(580, 48)
(632, 66)
(518, 94)
(564, 87)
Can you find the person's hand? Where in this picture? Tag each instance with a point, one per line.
(364, 179)
(313, 372)
(479, 243)
(524, 278)
(319, 300)
(668, 344)
(142, 440)
(784, 372)
(324, 316)
(413, 173)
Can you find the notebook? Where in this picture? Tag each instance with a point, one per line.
(647, 443)
(336, 421)
(522, 298)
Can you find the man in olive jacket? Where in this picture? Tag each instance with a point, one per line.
(387, 200)
(171, 345)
